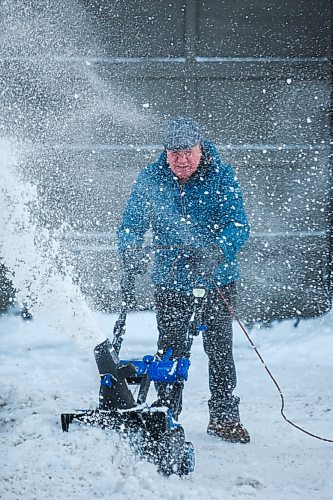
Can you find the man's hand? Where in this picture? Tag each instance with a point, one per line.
(134, 262)
(203, 261)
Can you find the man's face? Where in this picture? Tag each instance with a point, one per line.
(185, 162)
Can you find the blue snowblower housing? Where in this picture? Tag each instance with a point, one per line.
(151, 430)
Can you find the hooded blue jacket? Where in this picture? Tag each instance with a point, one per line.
(205, 211)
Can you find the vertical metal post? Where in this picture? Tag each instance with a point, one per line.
(191, 35)
(191, 29)
(330, 265)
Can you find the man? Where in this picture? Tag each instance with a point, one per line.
(193, 204)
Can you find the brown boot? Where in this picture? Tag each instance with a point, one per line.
(232, 432)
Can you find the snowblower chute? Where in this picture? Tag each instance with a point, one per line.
(151, 430)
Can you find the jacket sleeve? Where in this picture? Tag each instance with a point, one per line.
(136, 216)
(234, 227)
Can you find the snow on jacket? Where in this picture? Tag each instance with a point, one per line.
(206, 210)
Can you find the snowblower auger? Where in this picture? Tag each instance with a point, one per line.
(151, 430)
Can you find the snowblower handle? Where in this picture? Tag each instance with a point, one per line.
(119, 329)
(128, 301)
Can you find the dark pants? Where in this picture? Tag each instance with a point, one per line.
(173, 315)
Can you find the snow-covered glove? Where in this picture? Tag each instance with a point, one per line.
(203, 261)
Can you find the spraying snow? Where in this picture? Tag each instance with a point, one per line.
(34, 257)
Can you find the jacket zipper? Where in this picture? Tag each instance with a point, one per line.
(184, 218)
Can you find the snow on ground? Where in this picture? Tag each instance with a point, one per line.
(45, 372)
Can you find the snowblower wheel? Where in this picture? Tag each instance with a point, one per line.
(170, 452)
(188, 463)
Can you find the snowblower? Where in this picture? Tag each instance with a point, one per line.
(152, 431)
